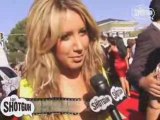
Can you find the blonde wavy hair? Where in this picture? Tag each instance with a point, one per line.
(43, 30)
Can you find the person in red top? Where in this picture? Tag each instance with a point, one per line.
(119, 53)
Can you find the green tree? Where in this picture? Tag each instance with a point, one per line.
(16, 46)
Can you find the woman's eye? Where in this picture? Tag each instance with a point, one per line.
(65, 37)
(83, 32)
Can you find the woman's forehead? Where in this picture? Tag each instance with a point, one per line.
(71, 20)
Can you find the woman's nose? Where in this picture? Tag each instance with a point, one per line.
(78, 46)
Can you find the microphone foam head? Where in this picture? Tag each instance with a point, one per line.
(99, 83)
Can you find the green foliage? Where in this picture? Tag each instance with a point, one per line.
(16, 45)
(15, 57)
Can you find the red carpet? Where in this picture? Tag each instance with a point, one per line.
(129, 107)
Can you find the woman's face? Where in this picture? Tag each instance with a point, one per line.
(72, 46)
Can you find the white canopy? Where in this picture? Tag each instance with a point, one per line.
(3, 57)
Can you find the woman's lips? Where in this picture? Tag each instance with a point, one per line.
(77, 58)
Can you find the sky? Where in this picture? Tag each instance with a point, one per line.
(13, 11)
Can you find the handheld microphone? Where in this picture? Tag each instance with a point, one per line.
(101, 87)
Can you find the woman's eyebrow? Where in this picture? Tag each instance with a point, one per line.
(67, 33)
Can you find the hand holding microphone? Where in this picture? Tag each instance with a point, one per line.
(153, 109)
(155, 101)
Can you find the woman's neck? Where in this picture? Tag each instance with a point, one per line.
(70, 73)
(72, 85)
(70, 78)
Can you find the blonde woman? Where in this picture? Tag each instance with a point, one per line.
(63, 54)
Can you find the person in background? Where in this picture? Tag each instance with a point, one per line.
(131, 44)
(19, 69)
(63, 54)
(104, 43)
(105, 46)
(145, 60)
(118, 61)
